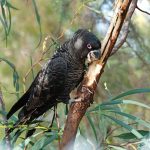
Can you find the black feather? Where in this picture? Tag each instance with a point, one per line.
(21, 102)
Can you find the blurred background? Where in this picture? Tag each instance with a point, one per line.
(49, 23)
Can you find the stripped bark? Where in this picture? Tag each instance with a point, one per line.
(86, 90)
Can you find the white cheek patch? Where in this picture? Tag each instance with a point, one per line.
(89, 58)
(78, 43)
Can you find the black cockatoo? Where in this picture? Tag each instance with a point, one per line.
(58, 77)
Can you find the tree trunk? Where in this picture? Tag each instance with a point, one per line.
(86, 90)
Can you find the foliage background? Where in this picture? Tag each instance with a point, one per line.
(128, 69)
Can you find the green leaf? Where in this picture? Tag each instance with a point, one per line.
(9, 15)
(10, 5)
(126, 126)
(6, 21)
(93, 126)
(31, 62)
(38, 20)
(129, 135)
(15, 75)
(82, 133)
(26, 142)
(16, 82)
(37, 121)
(109, 105)
(131, 92)
(44, 141)
(14, 118)
(5, 28)
(4, 15)
(136, 119)
(16, 136)
(116, 147)
(124, 102)
(104, 107)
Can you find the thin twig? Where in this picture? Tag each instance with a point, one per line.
(7, 136)
(142, 10)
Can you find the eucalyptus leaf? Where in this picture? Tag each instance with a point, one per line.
(136, 119)
(129, 135)
(44, 141)
(131, 92)
(126, 126)
(15, 75)
(38, 19)
(93, 126)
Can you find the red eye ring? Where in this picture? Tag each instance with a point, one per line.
(89, 46)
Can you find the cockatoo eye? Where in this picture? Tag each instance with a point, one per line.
(89, 46)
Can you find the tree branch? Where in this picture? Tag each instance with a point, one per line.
(125, 27)
(142, 10)
(2, 106)
(86, 90)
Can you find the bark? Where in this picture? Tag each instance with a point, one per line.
(86, 90)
